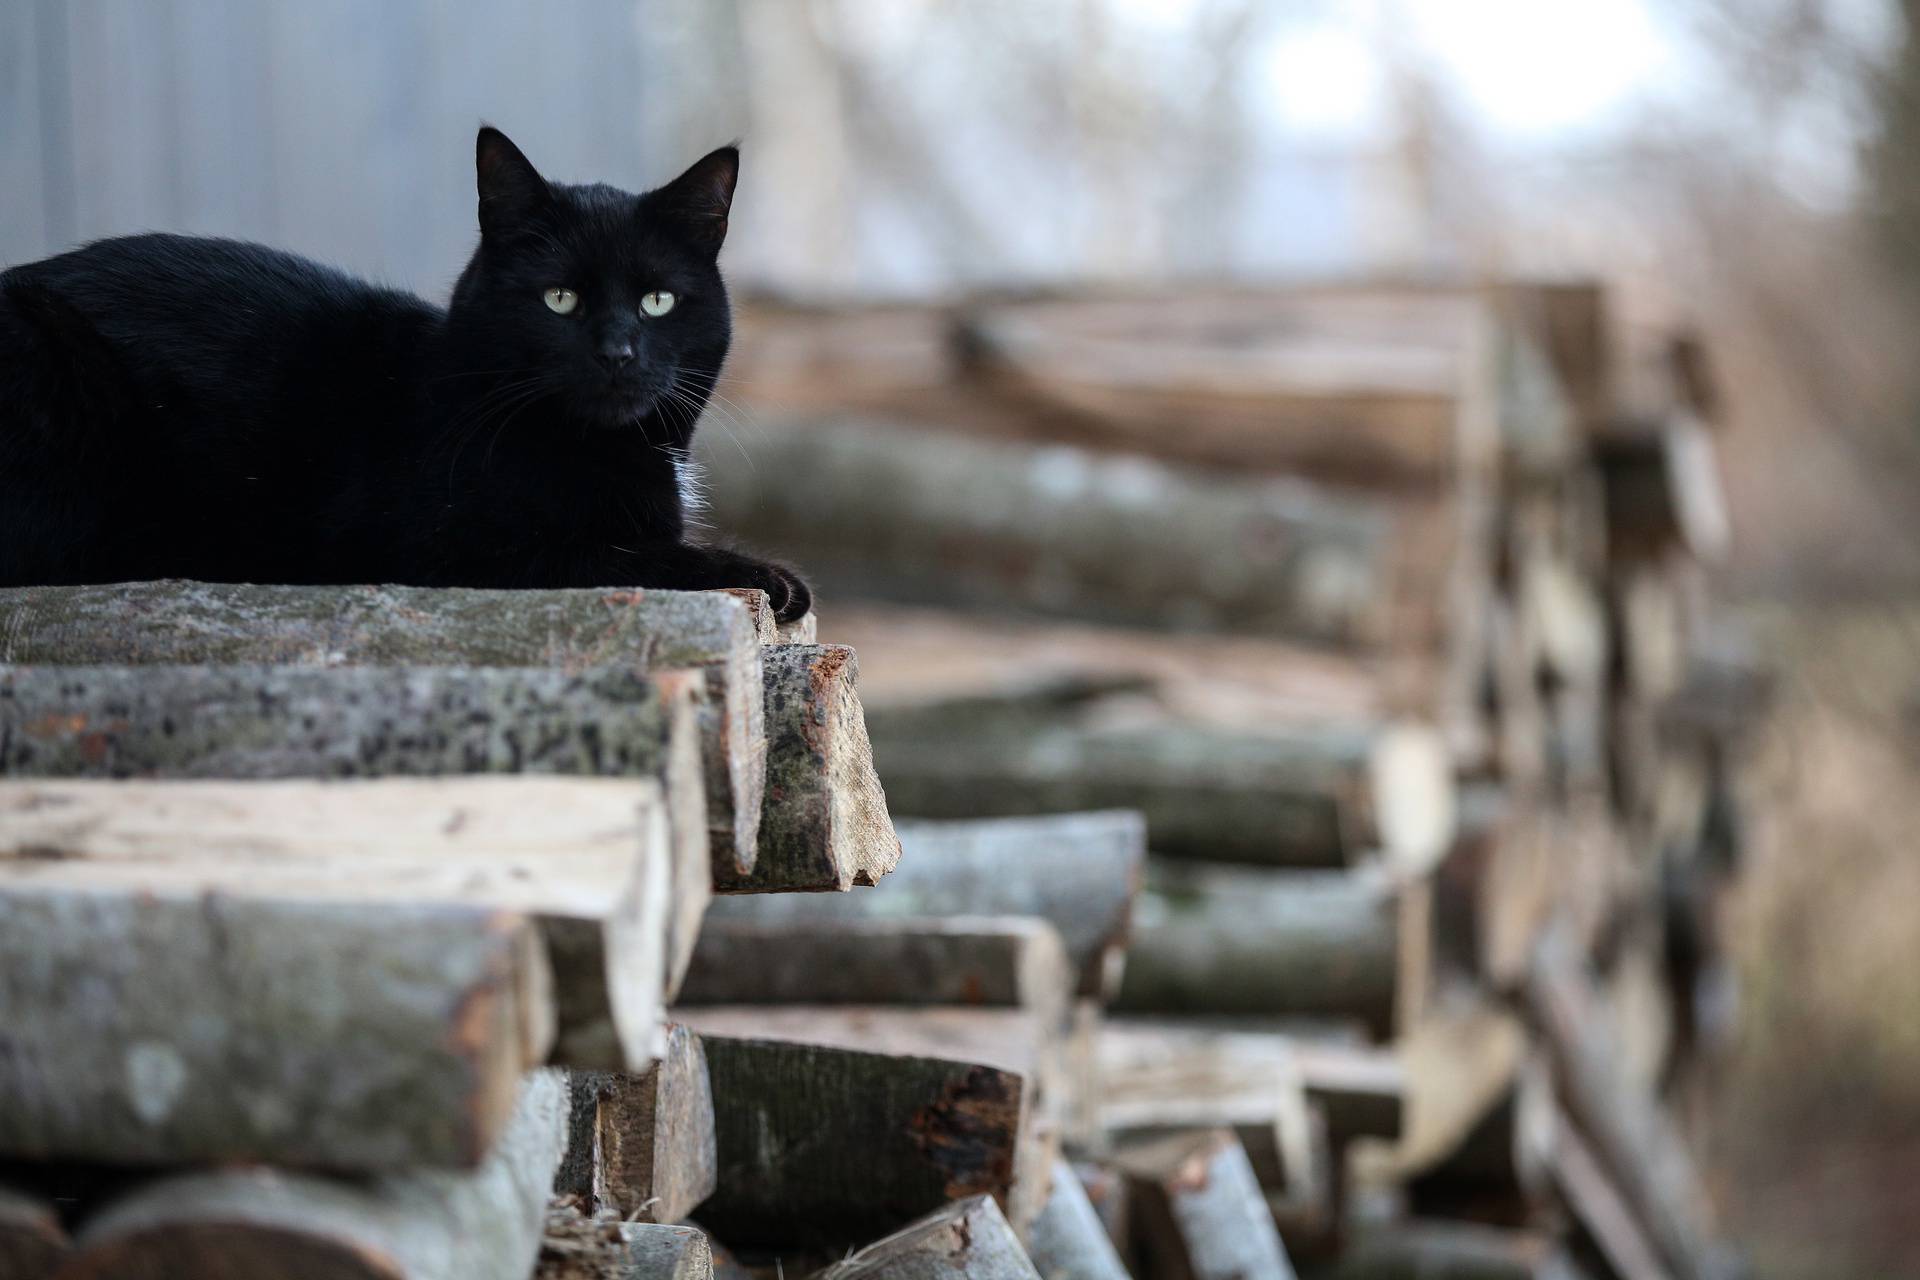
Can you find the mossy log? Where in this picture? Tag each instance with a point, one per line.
(32, 1241)
(1069, 1241)
(365, 722)
(992, 961)
(1311, 797)
(925, 517)
(1198, 1210)
(826, 825)
(1346, 947)
(1079, 872)
(640, 1145)
(198, 623)
(967, 1240)
(578, 1247)
(269, 1224)
(837, 1126)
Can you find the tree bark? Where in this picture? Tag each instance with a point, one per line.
(967, 1240)
(835, 1126)
(826, 826)
(364, 722)
(1293, 944)
(266, 1224)
(1079, 872)
(1198, 1210)
(639, 632)
(1446, 1250)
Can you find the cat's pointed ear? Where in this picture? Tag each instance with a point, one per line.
(701, 198)
(511, 189)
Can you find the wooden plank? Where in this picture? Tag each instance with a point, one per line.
(483, 1224)
(968, 1239)
(1079, 872)
(641, 1144)
(1007, 961)
(1068, 1241)
(827, 826)
(585, 857)
(1199, 1212)
(925, 1106)
(1301, 944)
(32, 1239)
(174, 623)
(298, 722)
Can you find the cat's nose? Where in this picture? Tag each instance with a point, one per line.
(615, 355)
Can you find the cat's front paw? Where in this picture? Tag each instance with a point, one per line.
(786, 591)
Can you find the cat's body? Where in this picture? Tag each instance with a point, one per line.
(178, 407)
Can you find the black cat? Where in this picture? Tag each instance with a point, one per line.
(176, 407)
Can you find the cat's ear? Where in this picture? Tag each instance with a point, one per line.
(701, 198)
(511, 189)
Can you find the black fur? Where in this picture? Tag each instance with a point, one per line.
(177, 407)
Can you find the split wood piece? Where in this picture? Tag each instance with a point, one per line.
(835, 1125)
(1068, 1240)
(641, 1144)
(825, 826)
(1066, 532)
(347, 1034)
(967, 1240)
(992, 961)
(1159, 1077)
(1350, 947)
(586, 857)
(483, 1224)
(802, 630)
(1598, 1208)
(259, 723)
(1077, 871)
(1320, 796)
(578, 1247)
(1634, 1141)
(638, 632)
(1417, 1249)
(1106, 1189)
(32, 1241)
(1198, 1210)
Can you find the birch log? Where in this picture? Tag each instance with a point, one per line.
(924, 517)
(826, 825)
(32, 1241)
(196, 623)
(363, 722)
(967, 1240)
(1199, 1211)
(1079, 872)
(1318, 797)
(269, 1224)
(838, 1125)
(1302, 944)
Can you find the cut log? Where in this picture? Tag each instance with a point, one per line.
(585, 856)
(1199, 1212)
(1441, 1250)
(638, 632)
(826, 825)
(259, 723)
(1598, 1209)
(1068, 1241)
(923, 517)
(348, 1033)
(1078, 871)
(967, 1240)
(1106, 1189)
(641, 1144)
(265, 1224)
(32, 1241)
(1634, 1141)
(1003, 961)
(578, 1247)
(1314, 797)
(838, 1125)
(1339, 946)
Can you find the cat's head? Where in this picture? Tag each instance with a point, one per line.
(609, 302)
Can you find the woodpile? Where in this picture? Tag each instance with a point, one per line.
(1317, 773)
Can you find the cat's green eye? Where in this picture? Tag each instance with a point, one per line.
(658, 303)
(562, 301)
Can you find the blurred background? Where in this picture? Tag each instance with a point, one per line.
(1743, 171)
